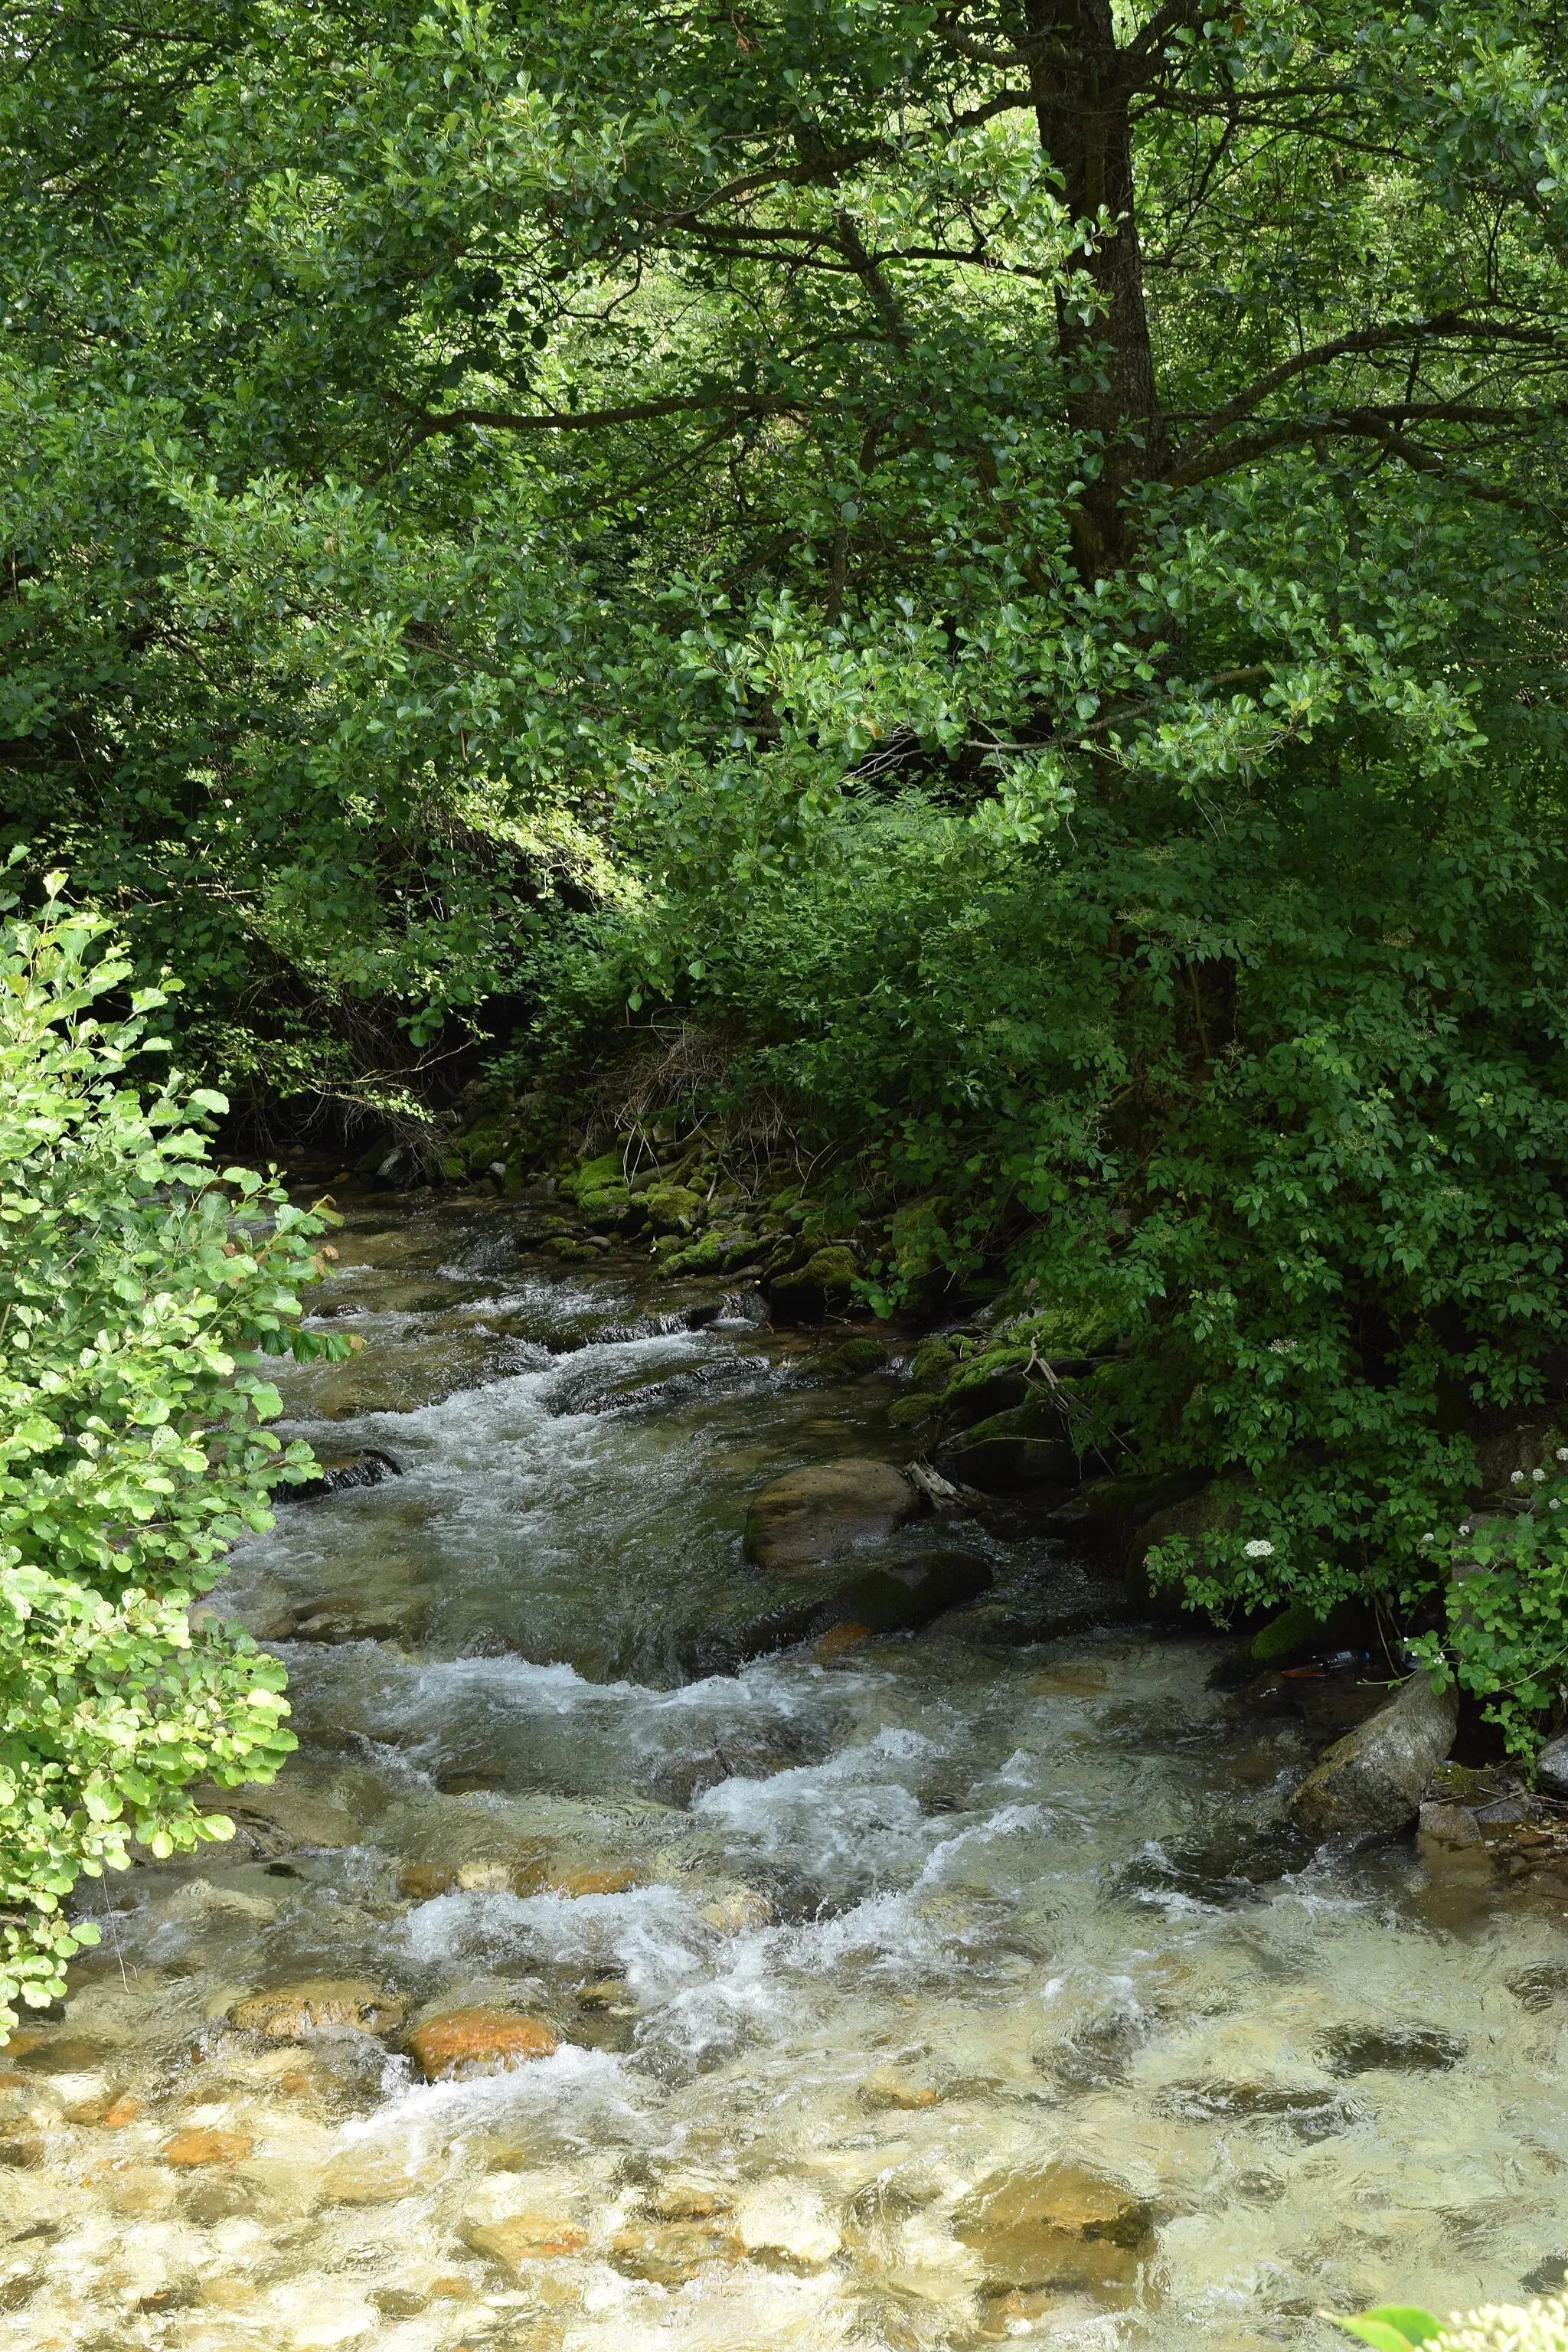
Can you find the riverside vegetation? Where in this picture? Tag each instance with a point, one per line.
(914, 651)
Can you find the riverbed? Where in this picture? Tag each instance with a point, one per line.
(849, 1946)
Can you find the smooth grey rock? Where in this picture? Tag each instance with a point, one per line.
(803, 1518)
(1370, 1782)
(1551, 1767)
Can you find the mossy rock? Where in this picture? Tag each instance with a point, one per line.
(1013, 1452)
(910, 1410)
(1214, 1511)
(1120, 1506)
(704, 1256)
(607, 1208)
(594, 1175)
(935, 1362)
(803, 1295)
(672, 1208)
(853, 1358)
(1064, 1328)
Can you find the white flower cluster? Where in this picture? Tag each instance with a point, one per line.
(1537, 2327)
(1259, 1548)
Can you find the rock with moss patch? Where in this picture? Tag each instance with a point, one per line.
(704, 1256)
(806, 1293)
(594, 1175)
(672, 1208)
(1206, 1519)
(852, 1359)
(910, 1411)
(1017, 1452)
(936, 1360)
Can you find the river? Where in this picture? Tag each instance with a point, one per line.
(848, 1951)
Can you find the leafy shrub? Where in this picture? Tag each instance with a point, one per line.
(1280, 1104)
(1540, 2326)
(138, 1289)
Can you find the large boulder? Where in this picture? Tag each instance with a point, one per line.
(802, 1519)
(1370, 1782)
(1551, 1767)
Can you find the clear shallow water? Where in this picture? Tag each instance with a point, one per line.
(871, 1930)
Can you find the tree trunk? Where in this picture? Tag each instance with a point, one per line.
(1081, 92)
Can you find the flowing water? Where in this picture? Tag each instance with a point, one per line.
(843, 1944)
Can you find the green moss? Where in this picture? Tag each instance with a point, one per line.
(934, 1364)
(672, 1208)
(594, 1175)
(909, 1411)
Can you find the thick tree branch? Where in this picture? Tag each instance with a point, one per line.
(579, 420)
(1450, 325)
(1385, 427)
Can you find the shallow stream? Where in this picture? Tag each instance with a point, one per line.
(848, 1948)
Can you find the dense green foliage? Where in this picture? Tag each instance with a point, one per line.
(139, 1290)
(1007, 559)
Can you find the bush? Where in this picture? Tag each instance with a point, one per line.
(138, 1289)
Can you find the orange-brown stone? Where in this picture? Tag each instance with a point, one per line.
(477, 2042)
(590, 1882)
(525, 2237)
(189, 2148)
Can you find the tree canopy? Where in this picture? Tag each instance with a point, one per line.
(1012, 553)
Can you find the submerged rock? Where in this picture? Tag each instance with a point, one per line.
(1371, 1780)
(803, 1518)
(189, 2149)
(477, 2042)
(271, 1820)
(673, 2251)
(375, 2176)
(287, 2012)
(1064, 2225)
(524, 2238)
(399, 1617)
